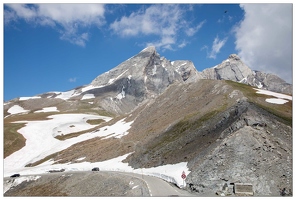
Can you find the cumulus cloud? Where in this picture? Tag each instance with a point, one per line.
(264, 38)
(217, 45)
(164, 21)
(68, 19)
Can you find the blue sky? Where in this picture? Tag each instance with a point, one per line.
(57, 47)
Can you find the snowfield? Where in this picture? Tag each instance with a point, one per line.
(27, 98)
(40, 135)
(16, 109)
(88, 96)
(48, 109)
(281, 98)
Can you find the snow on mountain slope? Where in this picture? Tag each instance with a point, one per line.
(16, 109)
(275, 94)
(40, 135)
(48, 109)
(26, 98)
(281, 98)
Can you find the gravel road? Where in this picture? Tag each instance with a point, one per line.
(100, 183)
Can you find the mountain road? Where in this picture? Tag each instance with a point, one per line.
(88, 183)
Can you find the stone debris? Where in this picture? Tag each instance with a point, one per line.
(245, 189)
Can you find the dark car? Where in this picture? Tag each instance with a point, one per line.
(96, 169)
(15, 175)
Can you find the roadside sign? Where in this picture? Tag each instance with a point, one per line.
(183, 175)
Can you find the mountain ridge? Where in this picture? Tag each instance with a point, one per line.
(155, 113)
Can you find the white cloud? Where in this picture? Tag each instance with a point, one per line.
(264, 38)
(72, 80)
(193, 30)
(68, 19)
(164, 21)
(217, 45)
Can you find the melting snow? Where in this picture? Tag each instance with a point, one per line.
(90, 87)
(40, 135)
(154, 70)
(88, 96)
(275, 94)
(121, 95)
(16, 109)
(276, 101)
(80, 158)
(117, 130)
(48, 109)
(114, 79)
(281, 98)
(27, 98)
(16, 181)
(244, 79)
(66, 95)
(259, 85)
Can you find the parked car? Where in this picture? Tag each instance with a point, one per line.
(15, 175)
(96, 169)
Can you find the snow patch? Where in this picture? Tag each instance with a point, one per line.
(78, 159)
(135, 187)
(66, 95)
(121, 95)
(281, 98)
(16, 109)
(27, 98)
(259, 85)
(276, 101)
(114, 79)
(154, 70)
(117, 130)
(40, 135)
(275, 94)
(90, 87)
(15, 182)
(48, 109)
(129, 77)
(243, 80)
(88, 96)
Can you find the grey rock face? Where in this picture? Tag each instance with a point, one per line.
(187, 70)
(144, 76)
(231, 69)
(235, 70)
(269, 82)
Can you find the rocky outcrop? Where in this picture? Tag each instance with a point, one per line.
(231, 69)
(269, 82)
(258, 153)
(187, 70)
(235, 70)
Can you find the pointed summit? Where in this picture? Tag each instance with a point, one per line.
(149, 49)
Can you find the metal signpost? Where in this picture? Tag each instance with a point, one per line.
(183, 176)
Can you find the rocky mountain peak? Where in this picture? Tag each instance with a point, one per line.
(150, 49)
(234, 57)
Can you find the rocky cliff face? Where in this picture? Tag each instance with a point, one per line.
(147, 75)
(140, 78)
(235, 70)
